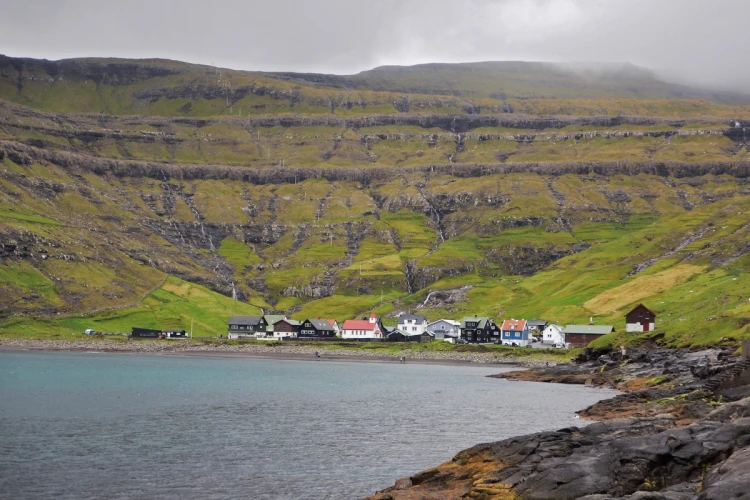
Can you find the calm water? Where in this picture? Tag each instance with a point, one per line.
(88, 425)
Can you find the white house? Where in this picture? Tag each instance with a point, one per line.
(359, 329)
(412, 324)
(444, 329)
(553, 334)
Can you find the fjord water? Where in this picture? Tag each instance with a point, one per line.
(96, 425)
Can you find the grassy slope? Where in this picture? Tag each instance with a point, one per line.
(684, 288)
(105, 255)
(174, 305)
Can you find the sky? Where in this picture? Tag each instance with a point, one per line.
(697, 41)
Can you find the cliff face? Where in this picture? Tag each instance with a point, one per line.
(289, 237)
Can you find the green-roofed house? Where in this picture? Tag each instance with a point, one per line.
(479, 330)
(581, 335)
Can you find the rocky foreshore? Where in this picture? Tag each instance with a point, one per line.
(290, 351)
(680, 431)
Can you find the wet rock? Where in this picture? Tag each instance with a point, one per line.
(620, 459)
(730, 479)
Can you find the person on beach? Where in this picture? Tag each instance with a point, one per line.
(317, 354)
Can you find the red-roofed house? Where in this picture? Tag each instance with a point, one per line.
(515, 332)
(362, 328)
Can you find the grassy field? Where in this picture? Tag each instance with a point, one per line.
(175, 305)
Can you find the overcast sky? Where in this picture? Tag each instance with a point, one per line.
(701, 40)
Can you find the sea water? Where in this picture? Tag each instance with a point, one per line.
(101, 425)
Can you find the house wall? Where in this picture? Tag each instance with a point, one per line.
(415, 328)
(359, 334)
(520, 338)
(240, 335)
(580, 339)
(442, 328)
(469, 334)
(284, 329)
(552, 336)
(638, 327)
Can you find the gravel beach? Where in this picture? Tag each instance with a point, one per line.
(281, 351)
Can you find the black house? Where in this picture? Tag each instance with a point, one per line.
(246, 326)
(145, 333)
(315, 329)
(479, 330)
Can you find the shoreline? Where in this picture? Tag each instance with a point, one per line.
(682, 414)
(294, 352)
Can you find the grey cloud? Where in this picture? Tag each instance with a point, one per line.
(693, 40)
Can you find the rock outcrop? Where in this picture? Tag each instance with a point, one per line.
(648, 456)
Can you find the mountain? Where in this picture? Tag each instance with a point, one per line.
(520, 80)
(153, 192)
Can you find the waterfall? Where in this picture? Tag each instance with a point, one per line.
(427, 299)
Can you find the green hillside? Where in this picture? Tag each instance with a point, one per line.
(128, 199)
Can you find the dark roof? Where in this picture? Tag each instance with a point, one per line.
(320, 324)
(244, 320)
(408, 335)
(417, 317)
(640, 305)
(480, 320)
(536, 322)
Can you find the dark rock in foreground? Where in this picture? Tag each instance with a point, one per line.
(652, 457)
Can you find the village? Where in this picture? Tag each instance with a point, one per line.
(416, 328)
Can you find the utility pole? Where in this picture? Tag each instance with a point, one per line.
(191, 328)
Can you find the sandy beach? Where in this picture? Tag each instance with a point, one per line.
(274, 351)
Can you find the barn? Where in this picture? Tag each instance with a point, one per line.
(640, 319)
(581, 335)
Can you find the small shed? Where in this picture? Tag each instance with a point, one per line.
(640, 319)
(399, 336)
(145, 333)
